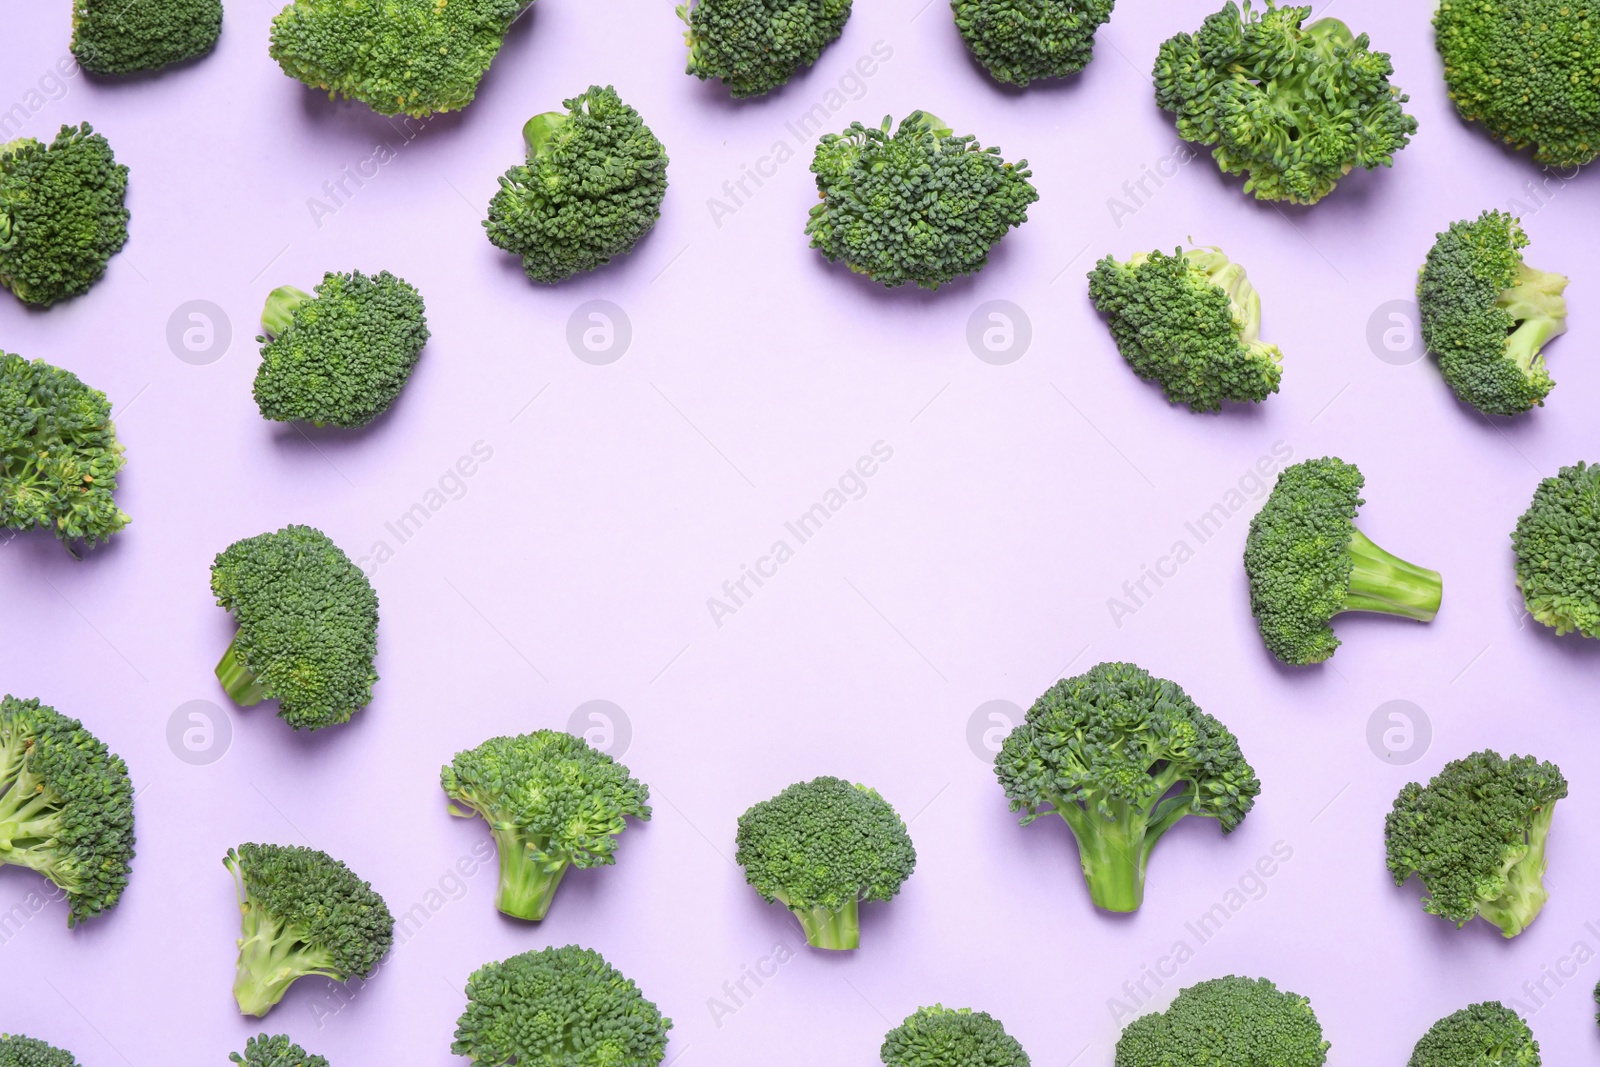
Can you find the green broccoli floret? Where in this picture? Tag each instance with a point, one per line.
(1557, 544)
(820, 848)
(1475, 835)
(920, 205)
(951, 1037)
(1482, 1035)
(559, 1007)
(754, 46)
(1307, 562)
(304, 913)
(63, 214)
(1190, 321)
(126, 36)
(1487, 315)
(552, 801)
(19, 1051)
(396, 56)
(1020, 40)
(1240, 1022)
(591, 187)
(308, 626)
(1294, 108)
(276, 1051)
(1121, 756)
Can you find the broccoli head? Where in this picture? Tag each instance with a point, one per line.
(1557, 544)
(276, 1051)
(552, 801)
(126, 36)
(1240, 1022)
(592, 186)
(1020, 40)
(1292, 107)
(63, 214)
(1475, 835)
(755, 46)
(822, 847)
(1487, 315)
(1482, 1035)
(19, 1051)
(1121, 756)
(308, 626)
(1307, 562)
(559, 1007)
(951, 1037)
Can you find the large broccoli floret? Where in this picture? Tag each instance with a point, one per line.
(63, 214)
(1020, 40)
(125, 36)
(1557, 543)
(1475, 835)
(1121, 756)
(820, 848)
(591, 188)
(308, 626)
(1233, 1021)
(552, 801)
(754, 46)
(1307, 562)
(1482, 1035)
(19, 1051)
(951, 1037)
(560, 1007)
(1487, 315)
(1294, 108)
(276, 1051)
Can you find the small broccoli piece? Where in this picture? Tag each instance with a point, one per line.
(559, 1007)
(1475, 835)
(1307, 562)
(127, 36)
(755, 46)
(592, 186)
(63, 214)
(1020, 40)
(19, 1051)
(1557, 544)
(1294, 108)
(552, 801)
(276, 1051)
(1240, 1022)
(1482, 1035)
(308, 626)
(951, 1037)
(822, 847)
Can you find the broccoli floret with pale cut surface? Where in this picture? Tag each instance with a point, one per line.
(1228, 1022)
(756, 46)
(1557, 545)
(63, 214)
(1480, 1035)
(127, 36)
(1018, 41)
(951, 1037)
(19, 1051)
(276, 1051)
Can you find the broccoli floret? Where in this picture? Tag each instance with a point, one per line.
(1307, 562)
(304, 913)
(1557, 544)
(1294, 108)
(754, 46)
(19, 1051)
(1240, 1022)
(1121, 756)
(125, 36)
(63, 214)
(591, 188)
(921, 205)
(276, 1051)
(1190, 321)
(308, 626)
(1482, 1035)
(559, 1007)
(1475, 835)
(1487, 315)
(822, 847)
(951, 1037)
(1020, 40)
(552, 801)
(340, 357)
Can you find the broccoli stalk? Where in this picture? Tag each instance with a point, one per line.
(1384, 583)
(527, 886)
(242, 685)
(828, 927)
(280, 308)
(1536, 304)
(1524, 894)
(272, 957)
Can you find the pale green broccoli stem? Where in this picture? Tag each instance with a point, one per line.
(280, 309)
(538, 131)
(830, 928)
(271, 958)
(922, 118)
(527, 885)
(243, 687)
(1540, 311)
(1389, 585)
(30, 821)
(1115, 839)
(1515, 909)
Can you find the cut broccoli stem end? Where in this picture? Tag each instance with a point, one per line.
(538, 131)
(1386, 584)
(281, 305)
(1514, 910)
(527, 886)
(1114, 854)
(243, 687)
(831, 928)
(271, 959)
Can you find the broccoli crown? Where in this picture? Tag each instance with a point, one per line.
(919, 205)
(1020, 40)
(755, 46)
(308, 626)
(121, 37)
(1232, 1021)
(1294, 108)
(1190, 321)
(19, 1051)
(1557, 543)
(1475, 835)
(559, 1007)
(591, 188)
(276, 1051)
(63, 214)
(951, 1037)
(1481, 1035)
(1487, 315)
(66, 806)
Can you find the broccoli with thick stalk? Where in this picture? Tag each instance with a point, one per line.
(951, 1037)
(276, 1051)
(19, 1051)
(1240, 1022)
(1475, 835)
(559, 1007)
(1307, 562)
(1292, 107)
(63, 214)
(552, 801)
(1487, 315)
(1122, 756)
(755, 46)
(820, 848)
(127, 36)
(1020, 40)
(592, 186)
(308, 626)
(1557, 544)
(1481, 1035)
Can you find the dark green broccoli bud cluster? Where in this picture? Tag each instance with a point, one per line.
(304, 913)
(1122, 756)
(553, 802)
(1020, 40)
(1487, 315)
(822, 847)
(308, 626)
(1307, 562)
(1481, 1035)
(754, 46)
(126, 36)
(19, 1051)
(591, 188)
(1292, 107)
(1190, 321)
(1240, 1022)
(1557, 544)
(560, 1007)
(63, 214)
(276, 1051)
(951, 1037)
(1475, 835)
(66, 806)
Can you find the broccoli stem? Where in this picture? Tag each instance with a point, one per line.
(1514, 910)
(271, 958)
(1537, 305)
(243, 687)
(30, 825)
(1389, 585)
(831, 928)
(1114, 851)
(526, 886)
(538, 131)
(280, 309)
